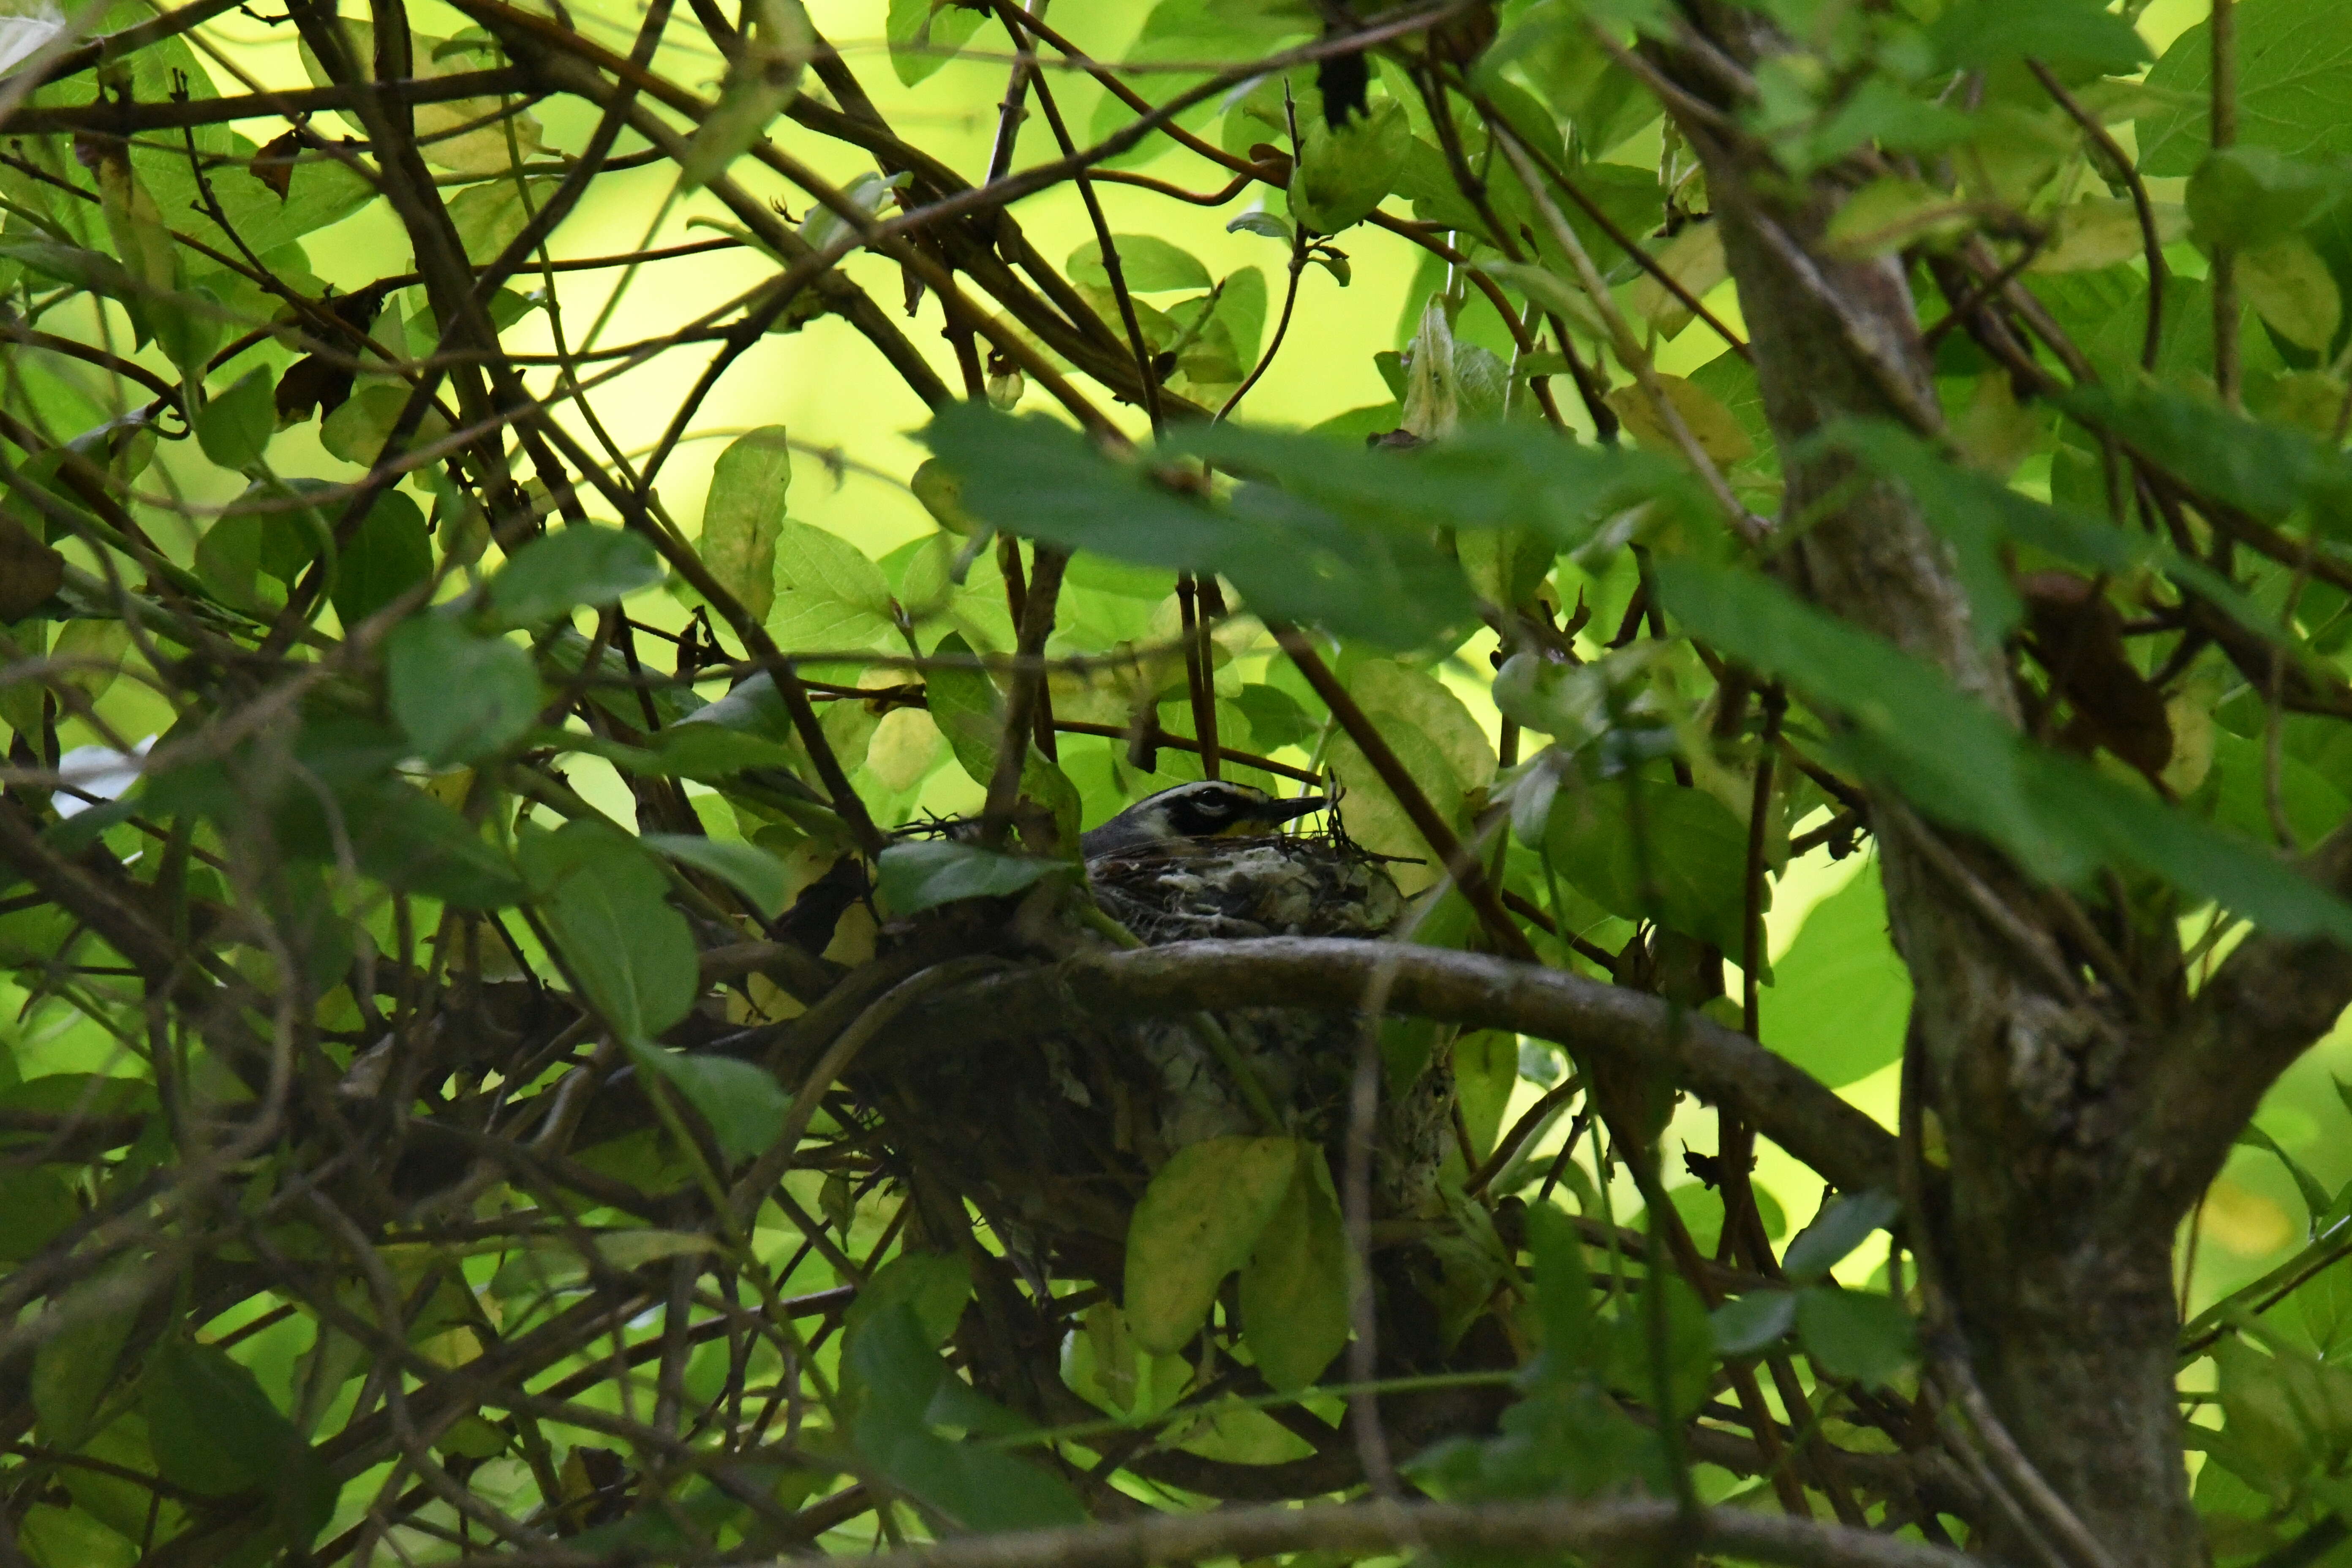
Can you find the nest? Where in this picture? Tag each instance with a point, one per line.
(1056, 1136)
(1238, 888)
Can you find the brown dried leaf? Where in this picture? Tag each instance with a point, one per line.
(2078, 635)
(273, 164)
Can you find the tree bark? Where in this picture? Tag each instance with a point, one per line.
(2056, 1264)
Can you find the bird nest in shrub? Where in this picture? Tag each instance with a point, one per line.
(1055, 1135)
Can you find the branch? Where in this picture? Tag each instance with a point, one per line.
(1605, 1531)
(2270, 1002)
(1334, 974)
(114, 46)
(124, 120)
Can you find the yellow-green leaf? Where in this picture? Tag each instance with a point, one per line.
(1295, 1288)
(1202, 1213)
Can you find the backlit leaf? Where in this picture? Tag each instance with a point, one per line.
(744, 515)
(1149, 264)
(1198, 1221)
(750, 870)
(565, 568)
(2294, 85)
(1294, 1289)
(606, 904)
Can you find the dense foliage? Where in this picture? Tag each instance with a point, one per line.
(556, 1022)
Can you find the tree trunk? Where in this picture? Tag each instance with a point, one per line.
(2055, 1266)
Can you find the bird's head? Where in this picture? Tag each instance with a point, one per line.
(1208, 809)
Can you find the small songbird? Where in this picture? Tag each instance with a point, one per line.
(1208, 809)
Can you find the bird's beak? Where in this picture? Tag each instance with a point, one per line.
(1288, 810)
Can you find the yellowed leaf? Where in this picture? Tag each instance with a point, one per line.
(2103, 232)
(1993, 432)
(1693, 258)
(1891, 214)
(2290, 286)
(905, 748)
(1718, 434)
(1198, 1222)
(2309, 399)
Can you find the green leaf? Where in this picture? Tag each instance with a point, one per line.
(582, 564)
(2294, 85)
(2266, 469)
(606, 904)
(934, 1285)
(1689, 1351)
(1892, 213)
(2239, 781)
(921, 875)
(2277, 1410)
(1646, 849)
(753, 708)
(1981, 517)
(742, 1103)
(35, 1206)
(744, 515)
(1751, 1322)
(408, 839)
(762, 77)
(74, 1367)
(389, 555)
(461, 698)
(489, 215)
(1840, 995)
(925, 33)
(1836, 1232)
(1263, 224)
(941, 494)
(1553, 293)
(236, 425)
(1960, 763)
(1342, 175)
(1443, 748)
(2076, 38)
(2251, 197)
(2289, 285)
(2316, 1197)
(1287, 556)
(965, 706)
(1294, 1289)
(361, 427)
(1572, 1337)
(1490, 476)
(213, 1429)
(748, 869)
(1275, 719)
(55, 1536)
(1197, 1221)
(270, 531)
(1149, 265)
(1859, 1334)
(1486, 1077)
(828, 594)
(318, 192)
(977, 1489)
(92, 271)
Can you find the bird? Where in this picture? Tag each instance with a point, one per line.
(1210, 808)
